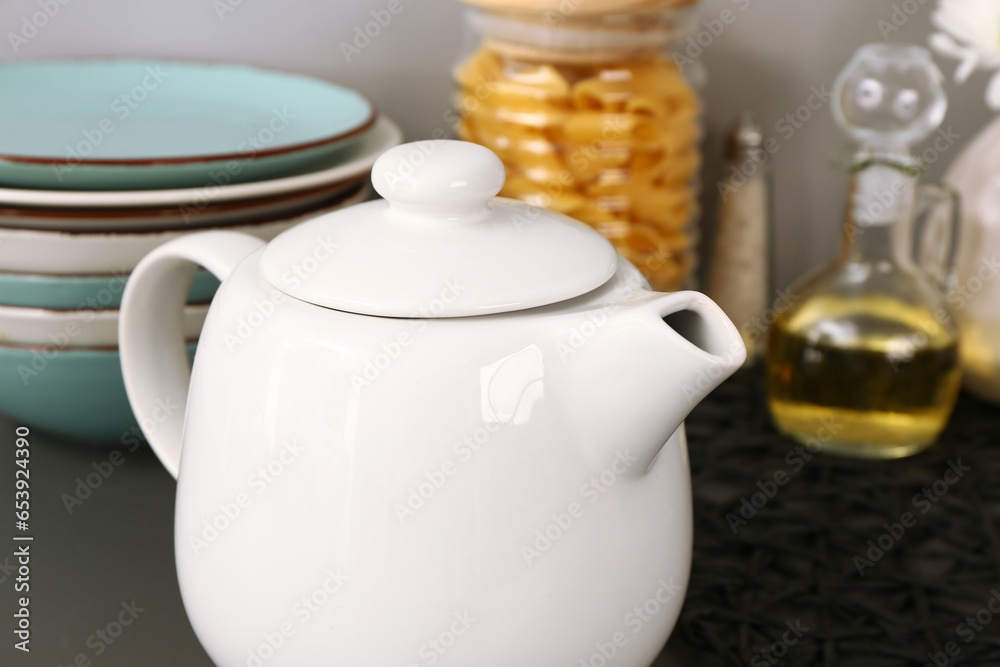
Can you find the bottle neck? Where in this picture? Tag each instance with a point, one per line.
(880, 208)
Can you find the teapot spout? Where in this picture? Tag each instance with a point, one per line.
(655, 359)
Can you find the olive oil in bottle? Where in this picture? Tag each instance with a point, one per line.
(884, 393)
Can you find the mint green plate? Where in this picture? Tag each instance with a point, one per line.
(75, 392)
(121, 124)
(82, 292)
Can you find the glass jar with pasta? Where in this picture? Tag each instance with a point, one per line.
(586, 103)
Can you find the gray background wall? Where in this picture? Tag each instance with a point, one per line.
(768, 59)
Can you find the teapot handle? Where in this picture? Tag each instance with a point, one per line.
(151, 339)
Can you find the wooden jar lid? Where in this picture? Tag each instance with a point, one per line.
(588, 7)
(587, 32)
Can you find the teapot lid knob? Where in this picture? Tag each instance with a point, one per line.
(439, 178)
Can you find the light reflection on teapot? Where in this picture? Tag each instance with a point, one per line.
(512, 386)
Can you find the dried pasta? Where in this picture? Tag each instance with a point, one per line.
(614, 145)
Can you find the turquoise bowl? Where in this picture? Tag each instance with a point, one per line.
(84, 291)
(77, 393)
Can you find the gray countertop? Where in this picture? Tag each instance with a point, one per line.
(103, 586)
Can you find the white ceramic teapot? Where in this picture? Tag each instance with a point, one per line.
(426, 431)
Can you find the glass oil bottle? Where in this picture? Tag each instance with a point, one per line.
(865, 362)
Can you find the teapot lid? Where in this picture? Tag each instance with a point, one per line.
(439, 245)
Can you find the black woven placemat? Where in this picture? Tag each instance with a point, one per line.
(805, 559)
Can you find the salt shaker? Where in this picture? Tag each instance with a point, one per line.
(739, 275)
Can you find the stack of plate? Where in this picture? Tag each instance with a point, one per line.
(103, 160)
